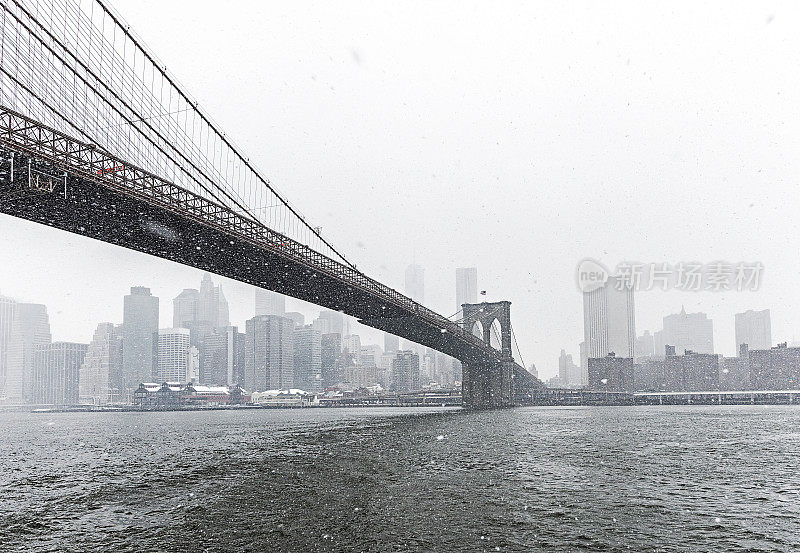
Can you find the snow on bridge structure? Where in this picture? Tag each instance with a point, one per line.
(98, 138)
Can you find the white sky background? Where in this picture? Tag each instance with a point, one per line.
(517, 137)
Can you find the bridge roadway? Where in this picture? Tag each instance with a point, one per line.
(51, 178)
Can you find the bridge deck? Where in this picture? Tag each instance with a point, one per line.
(53, 179)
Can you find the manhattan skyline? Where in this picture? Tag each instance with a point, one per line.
(67, 326)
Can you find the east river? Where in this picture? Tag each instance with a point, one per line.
(694, 479)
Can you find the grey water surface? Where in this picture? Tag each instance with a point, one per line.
(528, 479)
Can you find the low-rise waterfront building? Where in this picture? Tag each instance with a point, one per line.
(174, 395)
(291, 397)
(691, 372)
(776, 368)
(611, 373)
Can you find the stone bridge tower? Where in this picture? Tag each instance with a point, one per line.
(486, 384)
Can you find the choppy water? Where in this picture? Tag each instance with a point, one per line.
(536, 479)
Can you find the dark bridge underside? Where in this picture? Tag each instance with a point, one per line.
(104, 214)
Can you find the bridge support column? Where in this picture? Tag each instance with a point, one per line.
(487, 385)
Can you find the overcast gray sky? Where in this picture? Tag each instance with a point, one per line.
(516, 137)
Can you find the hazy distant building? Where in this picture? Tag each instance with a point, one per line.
(100, 378)
(458, 371)
(139, 337)
(212, 307)
(360, 370)
(611, 373)
(369, 362)
(568, 372)
(174, 359)
(270, 303)
(57, 373)
(308, 359)
(331, 350)
(371, 353)
(298, 318)
(466, 286)
(533, 370)
(185, 308)
(269, 353)
(776, 368)
(391, 343)
(7, 308)
(352, 345)
(415, 283)
(754, 328)
(405, 371)
(427, 368)
(608, 321)
(385, 367)
(222, 355)
(331, 322)
(193, 365)
(30, 329)
(686, 331)
(446, 370)
(584, 356)
(645, 346)
(466, 292)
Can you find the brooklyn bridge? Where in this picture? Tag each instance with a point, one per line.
(97, 138)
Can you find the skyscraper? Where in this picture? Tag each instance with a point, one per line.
(101, 373)
(270, 303)
(185, 308)
(174, 360)
(415, 283)
(583, 353)
(139, 337)
(466, 286)
(308, 358)
(608, 321)
(466, 292)
(56, 373)
(7, 308)
(568, 372)
(208, 304)
(223, 357)
(405, 371)
(754, 329)
(686, 332)
(30, 329)
(331, 350)
(269, 353)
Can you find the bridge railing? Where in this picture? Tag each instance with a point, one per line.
(93, 163)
